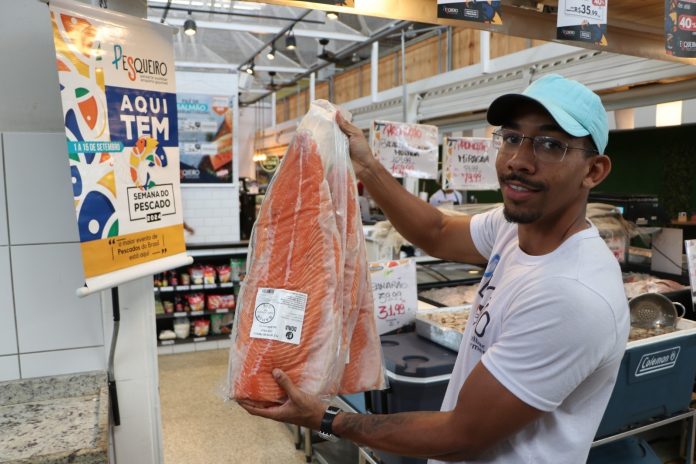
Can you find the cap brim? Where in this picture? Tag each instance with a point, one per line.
(499, 113)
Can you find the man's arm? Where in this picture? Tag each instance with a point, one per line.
(486, 413)
(445, 237)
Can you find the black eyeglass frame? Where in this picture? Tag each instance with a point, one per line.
(499, 133)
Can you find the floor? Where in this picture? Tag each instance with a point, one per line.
(199, 427)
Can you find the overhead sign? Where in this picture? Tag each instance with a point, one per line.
(406, 149)
(117, 88)
(469, 164)
(680, 28)
(270, 164)
(394, 293)
(582, 21)
(481, 11)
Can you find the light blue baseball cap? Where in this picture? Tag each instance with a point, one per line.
(574, 107)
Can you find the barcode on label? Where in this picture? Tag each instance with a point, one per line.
(267, 290)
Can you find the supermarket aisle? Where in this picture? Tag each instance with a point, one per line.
(198, 427)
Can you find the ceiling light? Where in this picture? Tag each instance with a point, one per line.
(271, 54)
(290, 41)
(332, 15)
(247, 6)
(355, 58)
(189, 27)
(250, 69)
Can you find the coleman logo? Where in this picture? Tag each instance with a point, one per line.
(451, 10)
(657, 361)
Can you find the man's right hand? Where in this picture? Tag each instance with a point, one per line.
(360, 153)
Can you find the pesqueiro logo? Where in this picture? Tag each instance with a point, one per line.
(136, 66)
(657, 361)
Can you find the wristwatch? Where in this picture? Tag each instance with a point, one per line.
(325, 430)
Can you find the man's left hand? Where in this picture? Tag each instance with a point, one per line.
(300, 408)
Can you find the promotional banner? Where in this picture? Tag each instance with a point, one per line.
(481, 11)
(394, 293)
(205, 138)
(680, 28)
(582, 21)
(116, 76)
(469, 164)
(406, 149)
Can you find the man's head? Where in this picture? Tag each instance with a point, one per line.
(550, 145)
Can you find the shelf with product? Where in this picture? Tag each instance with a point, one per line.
(196, 303)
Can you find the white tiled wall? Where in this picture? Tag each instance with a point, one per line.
(8, 336)
(9, 368)
(49, 315)
(213, 213)
(62, 362)
(3, 203)
(39, 193)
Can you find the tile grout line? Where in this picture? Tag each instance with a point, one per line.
(9, 253)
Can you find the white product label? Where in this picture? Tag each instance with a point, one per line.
(278, 315)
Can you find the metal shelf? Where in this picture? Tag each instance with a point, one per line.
(184, 341)
(196, 287)
(193, 313)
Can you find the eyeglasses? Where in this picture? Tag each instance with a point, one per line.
(546, 149)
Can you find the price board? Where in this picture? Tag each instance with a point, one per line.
(469, 164)
(406, 149)
(680, 28)
(480, 11)
(394, 293)
(582, 21)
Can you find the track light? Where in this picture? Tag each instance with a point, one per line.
(190, 27)
(332, 15)
(290, 41)
(271, 54)
(250, 69)
(355, 58)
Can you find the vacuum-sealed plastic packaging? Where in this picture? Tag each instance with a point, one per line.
(305, 305)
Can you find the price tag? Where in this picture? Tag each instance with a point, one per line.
(394, 293)
(196, 313)
(279, 315)
(210, 286)
(166, 289)
(182, 287)
(406, 149)
(469, 164)
(180, 314)
(196, 287)
(167, 342)
(222, 311)
(200, 339)
(582, 20)
(227, 285)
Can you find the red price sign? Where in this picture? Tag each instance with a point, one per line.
(385, 311)
(687, 23)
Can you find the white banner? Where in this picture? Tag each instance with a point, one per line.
(406, 149)
(116, 75)
(469, 164)
(394, 293)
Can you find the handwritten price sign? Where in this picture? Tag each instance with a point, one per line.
(406, 149)
(691, 263)
(394, 293)
(469, 164)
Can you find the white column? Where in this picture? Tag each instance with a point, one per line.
(312, 86)
(273, 109)
(485, 51)
(374, 71)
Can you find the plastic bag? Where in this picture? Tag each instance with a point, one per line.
(307, 286)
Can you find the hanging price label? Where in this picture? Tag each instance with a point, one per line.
(469, 164)
(394, 293)
(690, 246)
(406, 149)
(582, 20)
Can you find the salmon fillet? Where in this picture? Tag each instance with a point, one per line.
(308, 238)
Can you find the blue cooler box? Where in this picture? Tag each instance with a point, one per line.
(655, 380)
(418, 371)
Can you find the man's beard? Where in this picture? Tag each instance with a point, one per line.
(520, 217)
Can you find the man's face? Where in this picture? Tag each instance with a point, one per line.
(535, 190)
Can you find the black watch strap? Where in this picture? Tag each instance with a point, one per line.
(327, 421)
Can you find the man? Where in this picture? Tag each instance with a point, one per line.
(444, 195)
(544, 342)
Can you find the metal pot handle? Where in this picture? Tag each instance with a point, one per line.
(683, 309)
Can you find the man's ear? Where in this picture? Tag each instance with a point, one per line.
(598, 168)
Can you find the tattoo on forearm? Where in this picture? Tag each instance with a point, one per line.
(370, 424)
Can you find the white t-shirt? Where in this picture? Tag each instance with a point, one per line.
(552, 329)
(440, 197)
